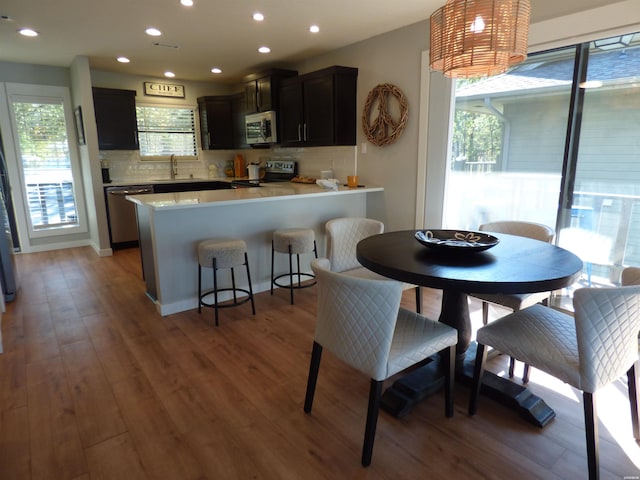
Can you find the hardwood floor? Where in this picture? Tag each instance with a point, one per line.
(94, 384)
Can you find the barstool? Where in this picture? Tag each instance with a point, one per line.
(218, 254)
(293, 241)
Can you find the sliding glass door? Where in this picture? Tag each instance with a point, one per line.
(555, 141)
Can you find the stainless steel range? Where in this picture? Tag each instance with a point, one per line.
(275, 171)
(280, 170)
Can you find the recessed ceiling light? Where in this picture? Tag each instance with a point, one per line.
(264, 49)
(123, 60)
(27, 32)
(314, 28)
(216, 70)
(154, 32)
(258, 17)
(169, 74)
(187, 3)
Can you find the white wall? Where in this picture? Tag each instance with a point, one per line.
(389, 58)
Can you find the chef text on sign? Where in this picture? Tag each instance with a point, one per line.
(163, 89)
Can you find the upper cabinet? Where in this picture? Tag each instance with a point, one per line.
(319, 108)
(216, 122)
(238, 112)
(262, 89)
(115, 118)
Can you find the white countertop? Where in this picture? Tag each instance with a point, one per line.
(266, 192)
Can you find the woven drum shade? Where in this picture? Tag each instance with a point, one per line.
(478, 38)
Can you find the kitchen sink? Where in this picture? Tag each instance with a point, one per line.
(177, 179)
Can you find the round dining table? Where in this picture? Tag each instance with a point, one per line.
(514, 265)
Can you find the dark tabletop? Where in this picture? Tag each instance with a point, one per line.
(515, 265)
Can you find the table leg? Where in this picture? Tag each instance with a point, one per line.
(400, 398)
(455, 313)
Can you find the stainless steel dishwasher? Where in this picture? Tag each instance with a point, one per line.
(123, 225)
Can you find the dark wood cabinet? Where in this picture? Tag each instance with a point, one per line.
(238, 112)
(262, 89)
(319, 108)
(216, 122)
(115, 112)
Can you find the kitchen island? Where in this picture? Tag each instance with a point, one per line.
(172, 224)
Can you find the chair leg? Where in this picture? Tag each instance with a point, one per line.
(525, 373)
(246, 264)
(215, 290)
(375, 396)
(478, 371)
(485, 313)
(512, 366)
(449, 358)
(591, 431)
(233, 285)
(290, 275)
(272, 259)
(632, 377)
(314, 367)
(299, 273)
(418, 299)
(199, 288)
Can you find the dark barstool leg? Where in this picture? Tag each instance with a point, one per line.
(233, 284)
(215, 290)
(272, 259)
(299, 275)
(315, 249)
(290, 275)
(199, 288)
(246, 264)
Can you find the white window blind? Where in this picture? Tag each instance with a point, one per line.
(166, 131)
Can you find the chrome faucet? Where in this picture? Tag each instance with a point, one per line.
(174, 167)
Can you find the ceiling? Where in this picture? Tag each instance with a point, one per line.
(211, 33)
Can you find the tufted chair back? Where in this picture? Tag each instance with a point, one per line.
(343, 234)
(607, 325)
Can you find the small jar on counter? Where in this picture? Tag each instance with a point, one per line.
(229, 169)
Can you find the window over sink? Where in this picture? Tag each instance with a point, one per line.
(165, 130)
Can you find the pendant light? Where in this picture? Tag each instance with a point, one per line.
(478, 38)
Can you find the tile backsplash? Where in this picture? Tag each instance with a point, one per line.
(126, 166)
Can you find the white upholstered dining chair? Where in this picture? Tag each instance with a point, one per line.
(361, 322)
(588, 352)
(343, 235)
(515, 301)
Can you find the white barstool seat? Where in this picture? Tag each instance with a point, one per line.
(222, 253)
(293, 241)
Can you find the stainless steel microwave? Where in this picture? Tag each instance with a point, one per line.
(261, 128)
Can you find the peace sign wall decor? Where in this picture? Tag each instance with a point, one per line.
(383, 122)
